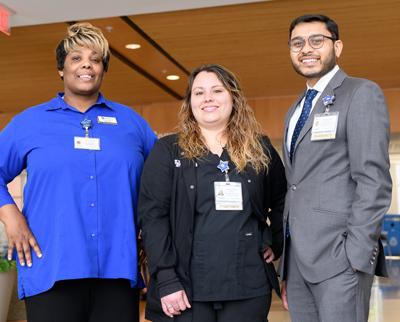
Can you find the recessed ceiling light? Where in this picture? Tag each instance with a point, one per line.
(133, 46)
(173, 77)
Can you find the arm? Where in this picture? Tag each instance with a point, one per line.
(368, 139)
(148, 140)
(18, 233)
(153, 216)
(277, 190)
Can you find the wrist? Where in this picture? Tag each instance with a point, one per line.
(9, 212)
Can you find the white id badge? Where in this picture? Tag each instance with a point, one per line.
(324, 126)
(228, 195)
(107, 120)
(86, 143)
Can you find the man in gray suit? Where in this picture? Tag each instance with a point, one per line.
(335, 149)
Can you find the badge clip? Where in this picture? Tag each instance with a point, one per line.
(328, 101)
(223, 166)
(86, 125)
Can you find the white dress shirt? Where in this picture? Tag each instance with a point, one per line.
(320, 87)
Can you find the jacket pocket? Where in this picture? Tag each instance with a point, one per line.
(250, 270)
(331, 218)
(332, 212)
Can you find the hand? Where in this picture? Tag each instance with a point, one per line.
(268, 255)
(141, 252)
(174, 303)
(19, 235)
(284, 296)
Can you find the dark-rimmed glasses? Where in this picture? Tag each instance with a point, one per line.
(315, 41)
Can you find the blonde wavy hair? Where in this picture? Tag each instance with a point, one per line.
(83, 35)
(243, 133)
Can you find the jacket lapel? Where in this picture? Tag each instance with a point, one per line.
(319, 107)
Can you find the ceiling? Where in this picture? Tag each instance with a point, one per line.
(248, 38)
(38, 12)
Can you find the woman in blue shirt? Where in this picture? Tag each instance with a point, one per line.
(84, 156)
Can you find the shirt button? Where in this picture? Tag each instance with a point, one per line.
(92, 204)
(249, 181)
(294, 187)
(182, 153)
(371, 262)
(91, 177)
(192, 187)
(93, 235)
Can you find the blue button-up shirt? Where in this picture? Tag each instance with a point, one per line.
(80, 204)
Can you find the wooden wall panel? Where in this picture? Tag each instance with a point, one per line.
(252, 104)
(270, 113)
(162, 118)
(5, 119)
(149, 59)
(393, 100)
(249, 39)
(137, 109)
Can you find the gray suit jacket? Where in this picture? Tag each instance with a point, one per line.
(339, 190)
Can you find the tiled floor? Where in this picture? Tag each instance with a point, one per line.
(384, 307)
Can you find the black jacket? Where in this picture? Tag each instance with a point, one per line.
(166, 216)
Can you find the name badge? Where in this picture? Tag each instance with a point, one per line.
(86, 143)
(107, 120)
(324, 126)
(228, 195)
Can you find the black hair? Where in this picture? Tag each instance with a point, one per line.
(330, 25)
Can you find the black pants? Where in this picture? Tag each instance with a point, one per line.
(249, 310)
(85, 300)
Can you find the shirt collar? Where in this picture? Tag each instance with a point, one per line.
(324, 80)
(58, 102)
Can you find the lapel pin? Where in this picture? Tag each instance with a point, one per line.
(223, 166)
(328, 100)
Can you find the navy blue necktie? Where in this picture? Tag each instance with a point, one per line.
(311, 93)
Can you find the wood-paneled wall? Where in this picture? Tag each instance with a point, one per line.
(270, 113)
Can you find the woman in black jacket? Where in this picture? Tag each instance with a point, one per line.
(205, 198)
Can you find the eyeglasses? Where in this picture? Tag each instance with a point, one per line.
(315, 41)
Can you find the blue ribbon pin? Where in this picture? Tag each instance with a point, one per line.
(86, 124)
(223, 165)
(328, 100)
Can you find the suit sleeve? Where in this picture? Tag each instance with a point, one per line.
(277, 190)
(153, 217)
(368, 132)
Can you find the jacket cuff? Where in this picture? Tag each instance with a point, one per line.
(168, 282)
